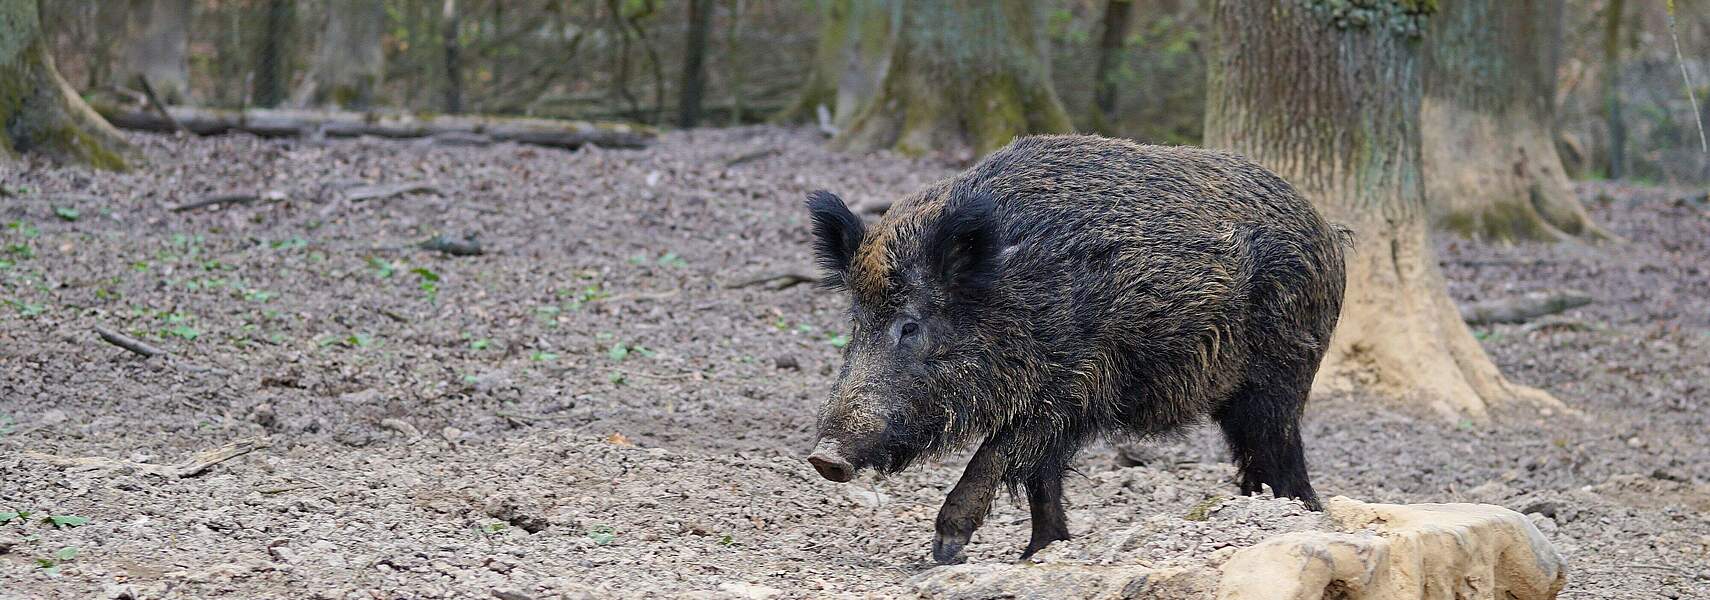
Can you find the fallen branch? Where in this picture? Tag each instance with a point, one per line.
(779, 281)
(189, 467)
(218, 200)
(360, 193)
(1521, 309)
(160, 107)
(301, 123)
(127, 342)
(468, 246)
(751, 157)
(383, 191)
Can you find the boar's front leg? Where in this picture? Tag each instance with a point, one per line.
(966, 506)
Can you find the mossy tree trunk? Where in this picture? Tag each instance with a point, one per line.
(159, 48)
(961, 75)
(1491, 167)
(39, 111)
(272, 54)
(1112, 40)
(1341, 123)
(849, 61)
(349, 62)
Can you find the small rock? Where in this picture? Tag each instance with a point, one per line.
(264, 416)
(510, 594)
(401, 426)
(1543, 523)
(749, 590)
(51, 417)
(1667, 475)
(7, 543)
(787, 362)
(451, 433)
(1491, 490)
(1546, 508)
(867, 498)
(285, 554)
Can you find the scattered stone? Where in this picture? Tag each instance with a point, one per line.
(510, 510)
(401, 426)
(510, 594)
(867, 498)
(749, 590)
(1547, 508)
(787, 362)
(264, 416)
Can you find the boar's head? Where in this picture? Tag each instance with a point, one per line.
(919, 284)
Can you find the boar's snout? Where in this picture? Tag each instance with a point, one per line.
(830, 463)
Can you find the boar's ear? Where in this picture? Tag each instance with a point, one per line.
(837, 234)
(962, 250)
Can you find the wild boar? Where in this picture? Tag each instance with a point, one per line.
(1072, 288)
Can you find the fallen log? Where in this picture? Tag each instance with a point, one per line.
(299, 123)
(1521, 309)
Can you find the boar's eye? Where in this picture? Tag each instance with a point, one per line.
(910, 328)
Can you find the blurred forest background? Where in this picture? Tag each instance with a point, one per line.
(1621, 112)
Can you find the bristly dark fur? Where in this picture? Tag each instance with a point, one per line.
(1069, 288)
(962, 248)
(837, 233)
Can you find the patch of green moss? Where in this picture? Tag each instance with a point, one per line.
(1202, 511)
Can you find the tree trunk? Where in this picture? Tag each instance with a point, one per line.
(39, 112)
(1110, 47)
(272, 59)
(1329, 98)
(349, 62)
(735, 59)
(450, 26)
(1491, 167)
(694, 64)
(1617, 167)
(820, 89)
(962, 75)
(159, 48)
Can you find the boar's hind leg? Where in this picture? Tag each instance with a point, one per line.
(1262, 424)
(966, 506)
(1045, 499)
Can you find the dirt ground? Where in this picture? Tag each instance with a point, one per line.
(587, 411)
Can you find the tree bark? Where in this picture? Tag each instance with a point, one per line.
(1110, 45)
(820, 89)
(1617, 166)
(1328, 96)
(962, 75)
(159, 48)
(451, 47)
(694, 64)
(39, 112)
(1491, 166)
(349, 62)
(272, 57)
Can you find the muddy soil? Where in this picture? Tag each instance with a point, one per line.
(587, 410)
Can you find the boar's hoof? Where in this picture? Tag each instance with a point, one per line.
(947, 548)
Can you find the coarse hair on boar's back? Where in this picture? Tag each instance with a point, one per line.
(1074, 287)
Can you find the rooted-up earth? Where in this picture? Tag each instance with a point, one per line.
(585, 409)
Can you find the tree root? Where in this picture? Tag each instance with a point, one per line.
(1524, 308)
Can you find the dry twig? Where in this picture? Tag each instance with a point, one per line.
(127, 342)
(189, 467)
